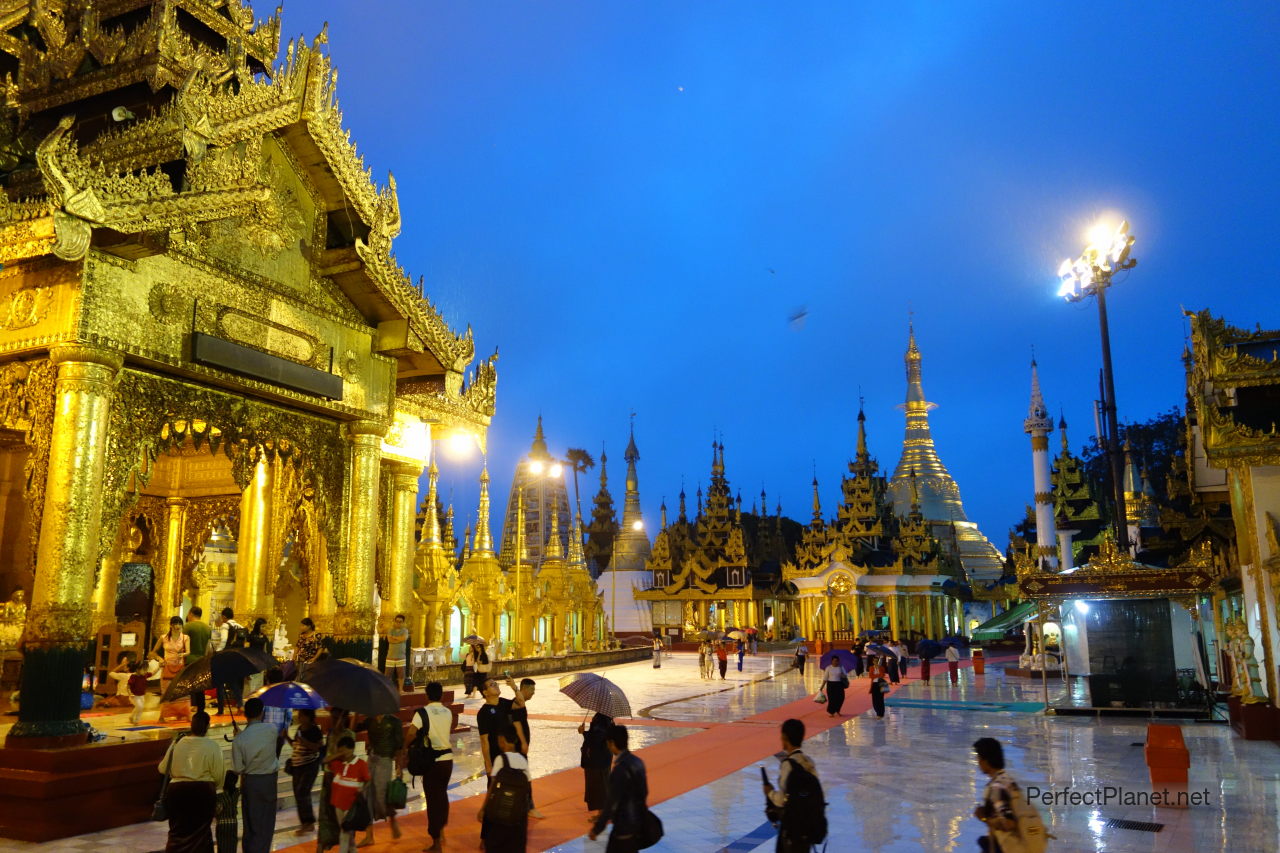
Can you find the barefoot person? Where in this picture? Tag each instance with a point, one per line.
(397, 652)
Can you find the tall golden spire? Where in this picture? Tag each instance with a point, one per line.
(940, 496)
(862, 461)
(817, 504)
(538, 450)
(483, 543)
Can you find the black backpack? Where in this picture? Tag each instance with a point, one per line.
(237, 637)
(421, 754)
(509, 792)
(804, 817)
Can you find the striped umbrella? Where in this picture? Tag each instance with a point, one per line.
(596, 693)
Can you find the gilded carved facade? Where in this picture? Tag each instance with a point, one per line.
(203, 329)
(1233, 388)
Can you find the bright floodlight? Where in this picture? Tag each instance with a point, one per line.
(1108, 251)
(535, 467)
(460, 444)
(555, 470)
(637, 525)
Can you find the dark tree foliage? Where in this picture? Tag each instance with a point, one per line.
(1153, 444)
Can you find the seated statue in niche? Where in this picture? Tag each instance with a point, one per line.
(1246, 682)
(13, 616)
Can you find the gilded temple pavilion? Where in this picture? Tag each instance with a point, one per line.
(203, 331)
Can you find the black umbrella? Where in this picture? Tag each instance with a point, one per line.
(352, 685)
(224, 667)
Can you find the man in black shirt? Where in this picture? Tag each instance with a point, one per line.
(518, 713)
(491, 719)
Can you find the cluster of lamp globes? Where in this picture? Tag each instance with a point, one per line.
(1108, 251)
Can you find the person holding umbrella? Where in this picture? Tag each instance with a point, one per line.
(722, 657)
(595, 762)
(879, 685)
(742, 652)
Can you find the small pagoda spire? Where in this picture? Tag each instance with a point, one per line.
(538, 450)
(466, 543)
(663, 513)
(450, 539)
(1062, 430)
(684, 516)
(577, 557)
(764, 502)
(699, 501)
(862, 462)
(483, 542)
(817, 504)
(431, 537)
(555, 548)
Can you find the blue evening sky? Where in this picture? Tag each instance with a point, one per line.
(632, 199)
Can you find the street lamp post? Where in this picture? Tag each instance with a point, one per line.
(536, 470)
(1090, 275)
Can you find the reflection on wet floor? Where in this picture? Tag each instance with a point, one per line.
(907, 783)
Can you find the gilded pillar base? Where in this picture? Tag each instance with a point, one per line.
(352, 635)
(51, 679)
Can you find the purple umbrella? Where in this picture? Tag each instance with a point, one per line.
(845, 657)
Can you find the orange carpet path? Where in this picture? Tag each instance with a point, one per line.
(674, 767)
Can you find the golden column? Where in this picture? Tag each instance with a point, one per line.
(105, 590)
(354, 622)
(253, 575)
(928, 617)
(894, 614)
(175, 530)
(404, 485)
(60, 619)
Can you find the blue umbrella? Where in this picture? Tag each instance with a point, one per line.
(879, 649)
(928, 649)
(798, 640)
(845, 658)
(289, 694)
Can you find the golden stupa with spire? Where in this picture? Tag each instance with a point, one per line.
(939, 496)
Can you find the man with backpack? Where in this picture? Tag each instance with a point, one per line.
(231, 635)
(504, 814)
(796, 806)
(1014, 824)
(431, 758)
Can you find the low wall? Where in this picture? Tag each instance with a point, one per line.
(533, 667)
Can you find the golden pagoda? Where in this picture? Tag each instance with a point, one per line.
(700, 567)
(939, 496)
(204, 330)
(871, 568)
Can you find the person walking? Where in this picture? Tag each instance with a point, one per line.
(397, 652)
(755, 642)
(742, 652)
(837, 680)
(797, 832)
(198, 635)
(329, 828)
(879, 684)
(253, 758)
(1006, 829)
(891, 666)
(596, 760)
(436, 721)
(171, 650)
(384, 752)
(722, 658)
(657, 652)
(350, 777)
(802, 654)
(517, 712)
(704, 652)
(232, 635)
(304, 764)
(627, 803)
(505, 829)
(953, 663)
(195, 768)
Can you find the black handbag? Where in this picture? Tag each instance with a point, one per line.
(650, 830)
(359, 817)
(158, 811)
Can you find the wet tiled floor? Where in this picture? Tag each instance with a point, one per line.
(906, 783)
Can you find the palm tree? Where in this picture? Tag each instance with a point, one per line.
(581, 461)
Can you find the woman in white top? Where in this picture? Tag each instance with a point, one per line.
(196, 770)
(835, 680)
